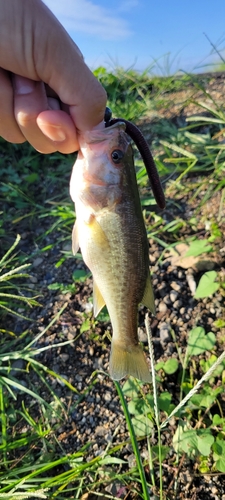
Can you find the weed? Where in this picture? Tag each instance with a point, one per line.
(207, 285)
(9, 274)
(196, 439)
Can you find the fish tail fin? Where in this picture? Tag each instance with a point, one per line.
(128, 361)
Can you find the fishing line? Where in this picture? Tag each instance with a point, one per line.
(143, 148)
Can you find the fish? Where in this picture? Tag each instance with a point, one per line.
(111, 234)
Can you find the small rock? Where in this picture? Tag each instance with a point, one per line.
(98, 362)
(23, 235)
(108, 437)
(173, 295)
(162, 307)
(64, 357)
(67, 247)
(162, 289)
(88, 306)
(132, 461)
(116, 490)
(48, 277)
(71, 336)
(19, 327)
(33, 279)
(167, 300)
(164, 333)
(177, 304)
(107, 396)
(186, 477)
(176, 286)
(169, 350)
(100, 430)
(142, 336)
(191, 283)
(91, 351)
(38, 261)
(145, 454)
(16, 367)
(56, 368)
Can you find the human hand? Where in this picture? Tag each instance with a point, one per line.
(47, 93)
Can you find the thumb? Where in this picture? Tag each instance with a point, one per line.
(42, 50)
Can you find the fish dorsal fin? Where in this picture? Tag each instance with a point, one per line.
(75, 239)
(148, 297)
(98, 301)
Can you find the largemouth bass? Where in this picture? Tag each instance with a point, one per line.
(111, 234)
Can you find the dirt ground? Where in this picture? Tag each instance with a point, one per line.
(98, 417)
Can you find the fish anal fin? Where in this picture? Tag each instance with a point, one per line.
(148, 297)
(128, 360)
(98, 301)
(75, 239)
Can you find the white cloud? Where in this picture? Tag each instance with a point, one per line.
(87, 17)
(127, 5)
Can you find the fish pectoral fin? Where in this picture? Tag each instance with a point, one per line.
(98, 301)
(148, 297)
(97, 233)
(128, 360)
(75, 239)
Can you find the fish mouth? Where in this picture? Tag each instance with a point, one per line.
(101, 135)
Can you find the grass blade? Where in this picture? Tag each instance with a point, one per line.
(133, 442)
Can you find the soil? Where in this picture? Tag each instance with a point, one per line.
(95, 415)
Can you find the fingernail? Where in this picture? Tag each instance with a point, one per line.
(53, 132)
(23, 85)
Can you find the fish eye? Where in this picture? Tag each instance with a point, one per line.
(117, 155)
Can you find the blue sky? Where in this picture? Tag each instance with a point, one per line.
(134, 33)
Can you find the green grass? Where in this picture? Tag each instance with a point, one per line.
(34, 188)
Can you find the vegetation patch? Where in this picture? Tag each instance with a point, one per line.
(67, 430)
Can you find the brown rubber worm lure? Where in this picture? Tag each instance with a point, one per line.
(138, 138)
